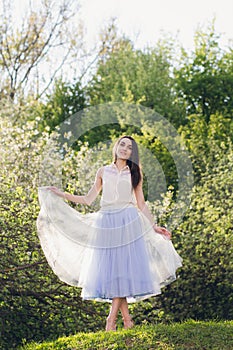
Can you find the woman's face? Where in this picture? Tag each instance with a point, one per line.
(124, 149)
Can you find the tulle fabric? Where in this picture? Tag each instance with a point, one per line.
(111, 253)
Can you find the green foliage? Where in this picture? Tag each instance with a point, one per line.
(207, 142)
(65, 100)
(185, 336)
(152, 142)
(34, 304)
(136, 76)
(204, 79)
(204, 287)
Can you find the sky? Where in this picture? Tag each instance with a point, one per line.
(145, 20)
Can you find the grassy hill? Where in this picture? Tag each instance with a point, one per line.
(176, 336)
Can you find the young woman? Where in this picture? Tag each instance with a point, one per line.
(118, 254)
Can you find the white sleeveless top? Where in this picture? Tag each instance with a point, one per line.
(117, 189)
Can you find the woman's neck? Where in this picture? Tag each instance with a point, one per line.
(120, 163)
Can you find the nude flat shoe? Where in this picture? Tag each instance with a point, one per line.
(110, 325)
(128, 323)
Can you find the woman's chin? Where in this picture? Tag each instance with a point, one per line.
(122, 157)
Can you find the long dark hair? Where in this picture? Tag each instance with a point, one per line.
(132, 162)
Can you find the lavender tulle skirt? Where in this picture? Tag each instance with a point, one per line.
(111, 253)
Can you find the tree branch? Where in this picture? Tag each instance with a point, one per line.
(23, 267)
(40, 35)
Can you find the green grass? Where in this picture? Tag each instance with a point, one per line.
(179, 336)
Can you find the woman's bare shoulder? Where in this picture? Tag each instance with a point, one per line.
(100, 171)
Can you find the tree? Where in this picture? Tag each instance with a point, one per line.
(204, 79)
(46, 39)
(125, 74)
(65, 100)
(206, 142)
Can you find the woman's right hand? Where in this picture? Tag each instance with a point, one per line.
(163, 231)
(56, 191)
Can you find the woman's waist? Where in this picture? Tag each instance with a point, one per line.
(116, 206)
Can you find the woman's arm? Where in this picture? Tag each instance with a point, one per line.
(145, 210)
(89, 197)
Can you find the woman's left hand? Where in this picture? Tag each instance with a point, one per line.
(56, 191)
(163, 231)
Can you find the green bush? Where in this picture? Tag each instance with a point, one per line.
(204, 287)
(34, 304)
